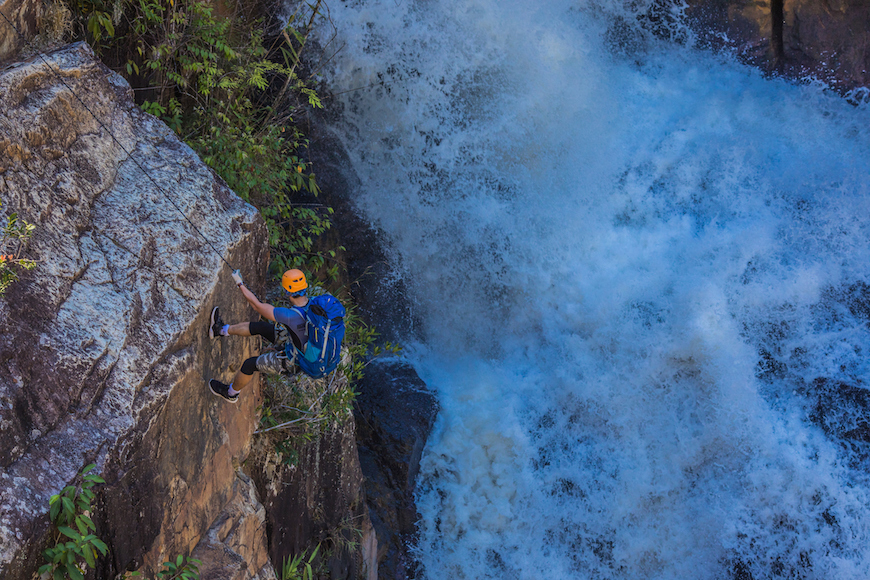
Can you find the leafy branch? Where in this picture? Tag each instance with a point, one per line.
(70, 512)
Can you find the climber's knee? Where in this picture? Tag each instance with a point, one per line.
(249, 367)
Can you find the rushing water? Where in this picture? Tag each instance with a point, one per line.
(640, 273)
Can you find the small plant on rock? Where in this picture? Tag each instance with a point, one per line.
(299, 567)
(13, 240)
(71, 514)
(183, 568)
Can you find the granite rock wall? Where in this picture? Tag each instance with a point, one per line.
(104, 350)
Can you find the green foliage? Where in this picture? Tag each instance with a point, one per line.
(261, 166)
(300, 568)
(183, 568)
(361, 340)
(297, 409)
(70, 511)
(13, 240)
(96, 18)
(77, 547)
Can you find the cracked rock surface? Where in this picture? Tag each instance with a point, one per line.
(104, 350)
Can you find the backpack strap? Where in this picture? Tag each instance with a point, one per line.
(325, 341)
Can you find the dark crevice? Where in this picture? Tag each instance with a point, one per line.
(777, 19)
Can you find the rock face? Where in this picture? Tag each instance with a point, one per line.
(103, 346)
(825, 39)
(235, 547)
(319, 498)
(395, 415)
(24, 16)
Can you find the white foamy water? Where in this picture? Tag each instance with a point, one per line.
(632, 262)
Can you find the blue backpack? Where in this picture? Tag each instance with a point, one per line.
(325, 320)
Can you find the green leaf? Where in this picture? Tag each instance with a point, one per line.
(74, 572)
(69, 533)
(101, 546)
(88, 522)
(89, 557)
(68, 505)
(55, 507)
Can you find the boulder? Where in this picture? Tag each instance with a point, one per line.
(104, 345)
(828, 39)
(235, 547)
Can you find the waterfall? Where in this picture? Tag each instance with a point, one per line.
(640, 272)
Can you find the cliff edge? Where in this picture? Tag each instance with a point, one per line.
(104, 346)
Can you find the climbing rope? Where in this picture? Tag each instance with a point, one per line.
(115, 139)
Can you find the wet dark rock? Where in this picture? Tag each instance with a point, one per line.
(822, 39)
(843, 412)
(316, 499)
(395, 413)
(840, 409)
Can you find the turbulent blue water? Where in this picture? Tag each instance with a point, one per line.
(641, 276)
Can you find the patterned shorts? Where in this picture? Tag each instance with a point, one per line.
(276, 363)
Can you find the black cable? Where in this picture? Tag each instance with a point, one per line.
(115, 139)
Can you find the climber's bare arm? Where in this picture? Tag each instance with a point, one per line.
(267, 311)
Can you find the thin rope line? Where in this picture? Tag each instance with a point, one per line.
(115, 139)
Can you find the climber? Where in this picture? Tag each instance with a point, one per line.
(308, 334)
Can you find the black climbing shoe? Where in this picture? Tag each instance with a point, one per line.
(221, 390)
(216, 323)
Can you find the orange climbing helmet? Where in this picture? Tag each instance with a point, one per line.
(294, 281)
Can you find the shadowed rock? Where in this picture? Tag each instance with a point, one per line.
(395, 414)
